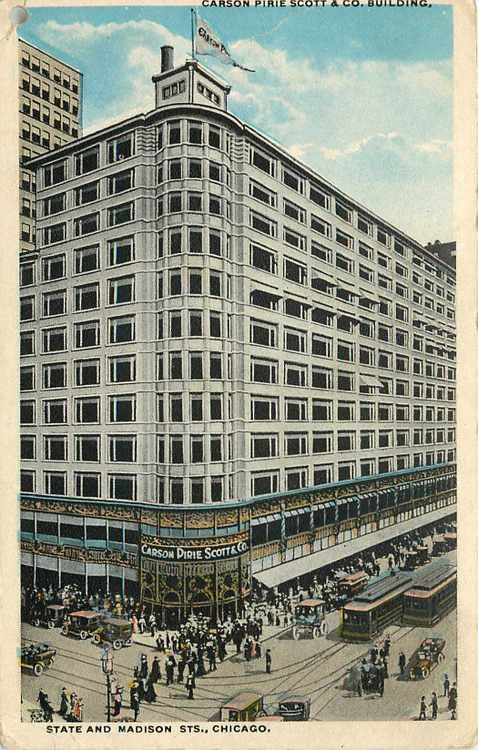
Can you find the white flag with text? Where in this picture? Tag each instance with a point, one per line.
(207, 42)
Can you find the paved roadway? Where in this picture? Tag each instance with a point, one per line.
(313, 668)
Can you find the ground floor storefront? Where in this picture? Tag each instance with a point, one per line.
(206, 559)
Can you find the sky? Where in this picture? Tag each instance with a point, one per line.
(361, 95)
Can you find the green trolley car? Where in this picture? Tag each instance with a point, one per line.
(378, 606)
(432, 596)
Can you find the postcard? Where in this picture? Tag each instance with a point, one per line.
(238, 331)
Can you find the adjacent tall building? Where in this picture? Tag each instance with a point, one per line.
(229, 366)
(50, 117)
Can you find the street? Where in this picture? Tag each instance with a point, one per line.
(310, 668)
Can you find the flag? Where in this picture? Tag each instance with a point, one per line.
(207, 42)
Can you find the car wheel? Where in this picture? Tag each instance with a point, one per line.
(97, 638)
(36, 622)
(64, 630)
(38, 669)
(324, 628)
(411, 674)
(128, 642)
(441, 657)
(295, 633)
(117, 644)
(83, 635)
(425, 672)
(51, 624)
(315, 632)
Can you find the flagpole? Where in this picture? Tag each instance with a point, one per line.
(193, 16)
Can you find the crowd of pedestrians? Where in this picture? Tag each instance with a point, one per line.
(451, 696)
(70, 706)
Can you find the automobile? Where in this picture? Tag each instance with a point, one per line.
(440, 546)
(114, 630)
(426, 657)
(246, 706)
(423, 555)
(81, 623)
(294, 708)
(52, 616)
(37, 657)
(309, 619)
(411, 560)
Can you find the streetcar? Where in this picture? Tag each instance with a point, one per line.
(432, 596)
(379, 605)
(309, 619)
(352, 584)
(246, 706)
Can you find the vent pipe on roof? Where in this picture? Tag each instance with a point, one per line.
(167, 58)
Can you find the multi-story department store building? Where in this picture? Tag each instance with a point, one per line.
(230, 369)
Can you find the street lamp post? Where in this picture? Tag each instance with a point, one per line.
(107, 667)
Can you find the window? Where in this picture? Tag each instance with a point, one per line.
(87, 259)
(195, 132)
(87, 193)
(263, 194)
(87, 297)
(87, 448)
(54, 173)
(264, 334)
(263, 371)
(54, 412)
(120, 148)
(27, 343)
(54, 233)
(215, 325)
(215, 283)
(87, 410)
(215, 205)
(295, 374)
(344, 239)
(345, 411)
(120, 182)
(122, 448)
(54, 375)
(263, 224)
(194, 202)
(89, 485)
(27, 308)
(320, 197)
(194, 169)
(121, 329)
(87, 334)
(215, 366)
(322, 252)
(196, 365)
(120, 214)
(86, 224)
(293, 181)
(54, 340)
(122, 486)
(265, 260)
(263, 162)
(293, 238)
(295, 341)
(54, 204)
(27, 412)
(122, 408)
(122, 369)
(87, 372)
(321, 226)
(294, 211)
(55, 483)
(87, 161)
(264, 446)
(295, 271)
(345, 351)
(27, 446)
(121, 290)
(264, 483)
(295, 409)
